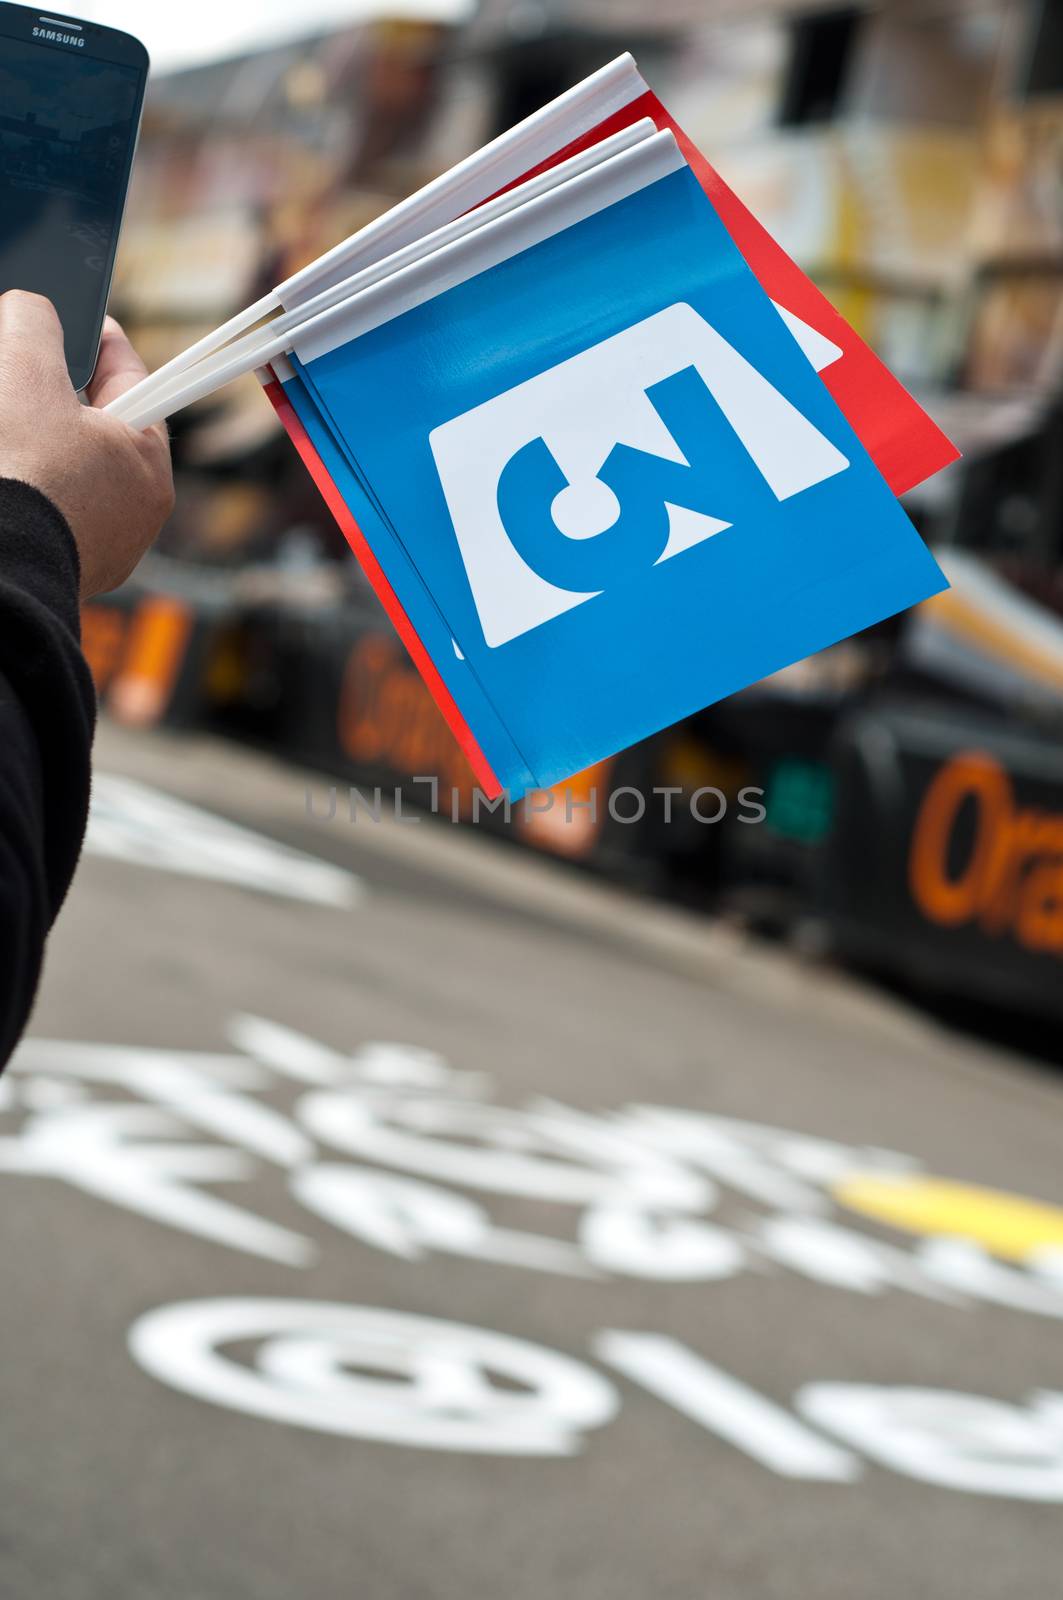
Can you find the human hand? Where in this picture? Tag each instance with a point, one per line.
(112, 483)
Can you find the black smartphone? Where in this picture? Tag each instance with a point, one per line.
(70, 100)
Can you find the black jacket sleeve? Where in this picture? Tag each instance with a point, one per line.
(47, 718)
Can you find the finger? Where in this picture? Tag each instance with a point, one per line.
(29, 325)
(118, 367)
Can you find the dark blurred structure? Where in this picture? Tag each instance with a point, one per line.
(910, 156)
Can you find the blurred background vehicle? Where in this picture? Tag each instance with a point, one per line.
(910, 156)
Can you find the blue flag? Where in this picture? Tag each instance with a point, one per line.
(604, 480)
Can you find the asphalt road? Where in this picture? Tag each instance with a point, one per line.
(405, 1217)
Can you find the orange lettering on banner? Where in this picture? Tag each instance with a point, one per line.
(361, 729)
(387, 717)
(1012, 881)
(1040, 920)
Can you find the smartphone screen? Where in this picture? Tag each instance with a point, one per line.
(70, 100)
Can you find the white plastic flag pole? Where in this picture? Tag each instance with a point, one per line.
(463, 187)
(485, 246)
(206, 346)
(133, 405)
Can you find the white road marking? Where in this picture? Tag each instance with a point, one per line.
(726, 1407)
(131, 822)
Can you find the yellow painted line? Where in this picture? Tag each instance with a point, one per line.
(1008, 1225)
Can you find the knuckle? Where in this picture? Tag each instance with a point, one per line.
(22, 304)
(42, 307)
(31, 359)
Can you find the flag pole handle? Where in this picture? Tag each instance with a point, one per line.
(129, 404)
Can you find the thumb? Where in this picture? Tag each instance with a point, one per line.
(32, 337)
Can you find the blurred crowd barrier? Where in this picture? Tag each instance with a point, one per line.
(910, 156)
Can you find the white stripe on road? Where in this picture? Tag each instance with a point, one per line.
(131, 822)
(726, 1407)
